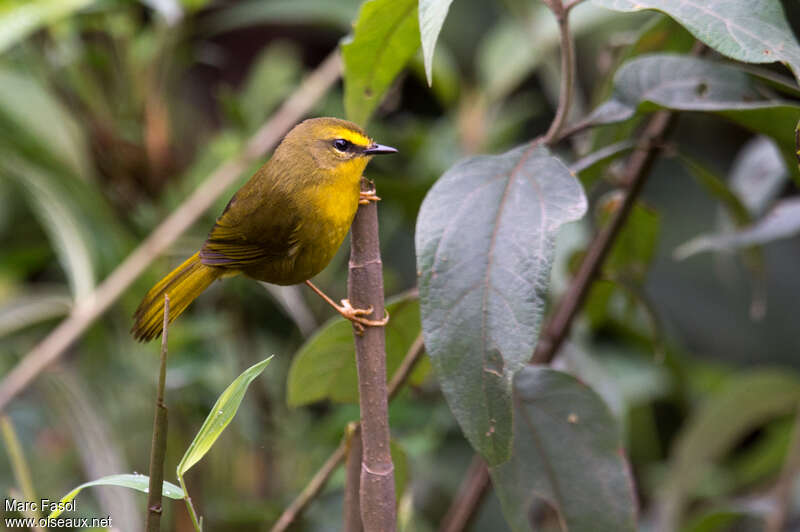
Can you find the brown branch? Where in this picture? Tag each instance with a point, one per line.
(469, 497)
(158, 447)
(352, 483)
(634, 177)
(321, 477)
(88, 310)
(567, 71)
(365, 289)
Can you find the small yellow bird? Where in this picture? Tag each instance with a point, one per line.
(283, 226)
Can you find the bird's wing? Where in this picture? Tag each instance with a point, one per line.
(233, 243)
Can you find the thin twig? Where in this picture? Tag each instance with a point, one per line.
(352, 483)
(469, 496)
(634, 177)
(567, 71)
(319, 480)
(88, 310)
(776, 519)
(365, 290)
(158, 446)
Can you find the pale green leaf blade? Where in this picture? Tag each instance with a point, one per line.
(385, 38)
(568, 453)
(752, 31)
(220, 416)
(133, 481)
(743, 403)
(484, 243)
(20, 18)
(782, 221)
(431, 18)
(325, 368)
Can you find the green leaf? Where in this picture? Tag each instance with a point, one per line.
(20, 18)
(684, 83)
(431, 18)
(325, 366)
(752, 31)
(27, 309)
(385, 38)
(758, 174)
(718, 189)
(484, 243)
(60, 218)
(133, 481)
(220, 416)
(257, 12)
(567, 454)
(782, 221)
(744, 403)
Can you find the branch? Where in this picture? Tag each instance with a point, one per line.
(365, 289)
(634, 177)
(88, 310)
(158, 447)
(321, 477)
(352, 483)
(567, 71)
(469, 496)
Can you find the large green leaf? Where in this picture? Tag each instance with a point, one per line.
(133, 481)
(484, 244)
(325, 367)
(782, 221)
(753, 31)
(385, 37)
(431, 18)
(744, 403)
(220, 416)
(695, 84)
(19, 18)
(567, 454)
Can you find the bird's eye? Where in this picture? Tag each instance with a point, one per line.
(341, 144)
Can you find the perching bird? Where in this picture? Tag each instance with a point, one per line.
(283, 226)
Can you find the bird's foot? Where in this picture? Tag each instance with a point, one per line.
(366, 196)
(356, 315)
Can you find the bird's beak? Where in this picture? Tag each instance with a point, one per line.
(377, 149)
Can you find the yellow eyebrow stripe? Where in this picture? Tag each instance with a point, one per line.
(348, 134)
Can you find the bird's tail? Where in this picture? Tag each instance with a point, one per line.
(183, 285)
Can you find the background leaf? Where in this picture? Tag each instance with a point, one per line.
(221, 414)
(782, 221)
(385, 37)
(325, 367)
(484, 244)
(758, 174)
(753, 31)
(743, 403)
(19, 18)
(568, 454)
(694, 84)
(133, 481)
(431, 18)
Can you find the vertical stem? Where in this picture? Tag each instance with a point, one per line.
(567, 71)
(158, 446)
(352, 483)
(365, 288)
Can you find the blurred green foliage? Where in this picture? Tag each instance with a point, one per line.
(112, 111)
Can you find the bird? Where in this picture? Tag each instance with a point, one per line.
(283, 226)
